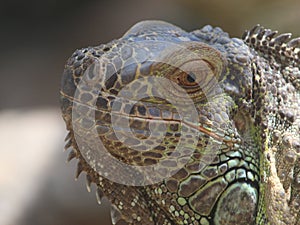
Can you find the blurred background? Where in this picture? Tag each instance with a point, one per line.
(37, 187)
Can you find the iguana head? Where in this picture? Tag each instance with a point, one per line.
(173, 118)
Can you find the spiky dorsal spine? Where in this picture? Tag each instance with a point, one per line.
(280, 49)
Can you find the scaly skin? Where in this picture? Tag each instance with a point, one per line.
(207, 124)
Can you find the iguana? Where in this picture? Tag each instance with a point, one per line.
(179, 127)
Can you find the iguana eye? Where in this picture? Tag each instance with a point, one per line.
(191, 77)
(195, 67)
(194, 74)
(187, 79)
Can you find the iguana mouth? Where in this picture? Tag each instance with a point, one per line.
(167, 115)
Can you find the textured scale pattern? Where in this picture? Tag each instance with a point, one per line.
(243, 167)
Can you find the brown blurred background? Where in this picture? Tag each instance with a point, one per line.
(36, 38)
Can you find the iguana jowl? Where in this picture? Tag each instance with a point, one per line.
(238, 160)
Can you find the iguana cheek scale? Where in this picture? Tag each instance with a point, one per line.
(179, 127)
